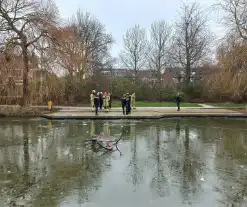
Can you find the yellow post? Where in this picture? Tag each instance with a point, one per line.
(50, 105)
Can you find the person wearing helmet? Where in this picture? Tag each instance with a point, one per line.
(100, 100)
(123, 103)
(133, 100)
(128, 103)
(106, 102)
(92, 99)
(96, 103)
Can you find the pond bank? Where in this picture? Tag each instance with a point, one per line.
(65, 112)
(145, 113)
(19, 111)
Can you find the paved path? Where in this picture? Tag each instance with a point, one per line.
(143, 113)
(83, 108)
(71, 112)
(116, 109)
(207, 106)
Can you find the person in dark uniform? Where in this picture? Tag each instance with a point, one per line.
(123, 103)
(128, 103)
(178, 100)
(96, 103)
(110, 100)
(100, 100)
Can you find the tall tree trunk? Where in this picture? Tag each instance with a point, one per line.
(135, 70)
(25, 95)
(187, 74)
(188, 65)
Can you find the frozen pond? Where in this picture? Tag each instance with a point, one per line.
(174, 162)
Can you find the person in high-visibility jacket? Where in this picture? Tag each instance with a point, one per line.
(106, 102)
(92, 99)
(50, 105)
(133, 100)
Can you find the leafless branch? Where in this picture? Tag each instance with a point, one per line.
(235, 15)
(25, 22)
(94, 38)
(160, 45)
(192, 38)
(135, 52)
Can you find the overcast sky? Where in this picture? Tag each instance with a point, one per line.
(119, 15)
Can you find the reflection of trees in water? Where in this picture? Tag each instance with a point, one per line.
(50, 176)
(188, 164)
(187, 167)
(160, 180)
(19, 176)
(178, 129)
(55, 159)
(230, 162)
(156, 141)
(83, 178)
(134, 167)
(129, 131)
(138, 134)
(26, 155)
(192, 170)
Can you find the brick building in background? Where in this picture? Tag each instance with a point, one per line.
(171, 77)
(144, 75)
(174, 76)
(11, 71)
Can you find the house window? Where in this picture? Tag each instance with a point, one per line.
(16, 73)
(145, 79)
(106, 73)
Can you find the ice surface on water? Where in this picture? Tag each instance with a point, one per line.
(176, 162)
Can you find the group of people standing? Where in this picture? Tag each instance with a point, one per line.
(128, 102)
(100, 100)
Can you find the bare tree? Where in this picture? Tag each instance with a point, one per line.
(235, 15)
(134, 54)
(191, 39)
(68, 51)
(230, 78)
(94, 38)
(23, 23)
(160, 44)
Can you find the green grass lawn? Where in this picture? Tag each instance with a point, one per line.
(228, 105)
(156, 104)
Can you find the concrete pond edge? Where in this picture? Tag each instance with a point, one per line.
(223, 115)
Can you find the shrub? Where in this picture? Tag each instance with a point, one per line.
(17, 111)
